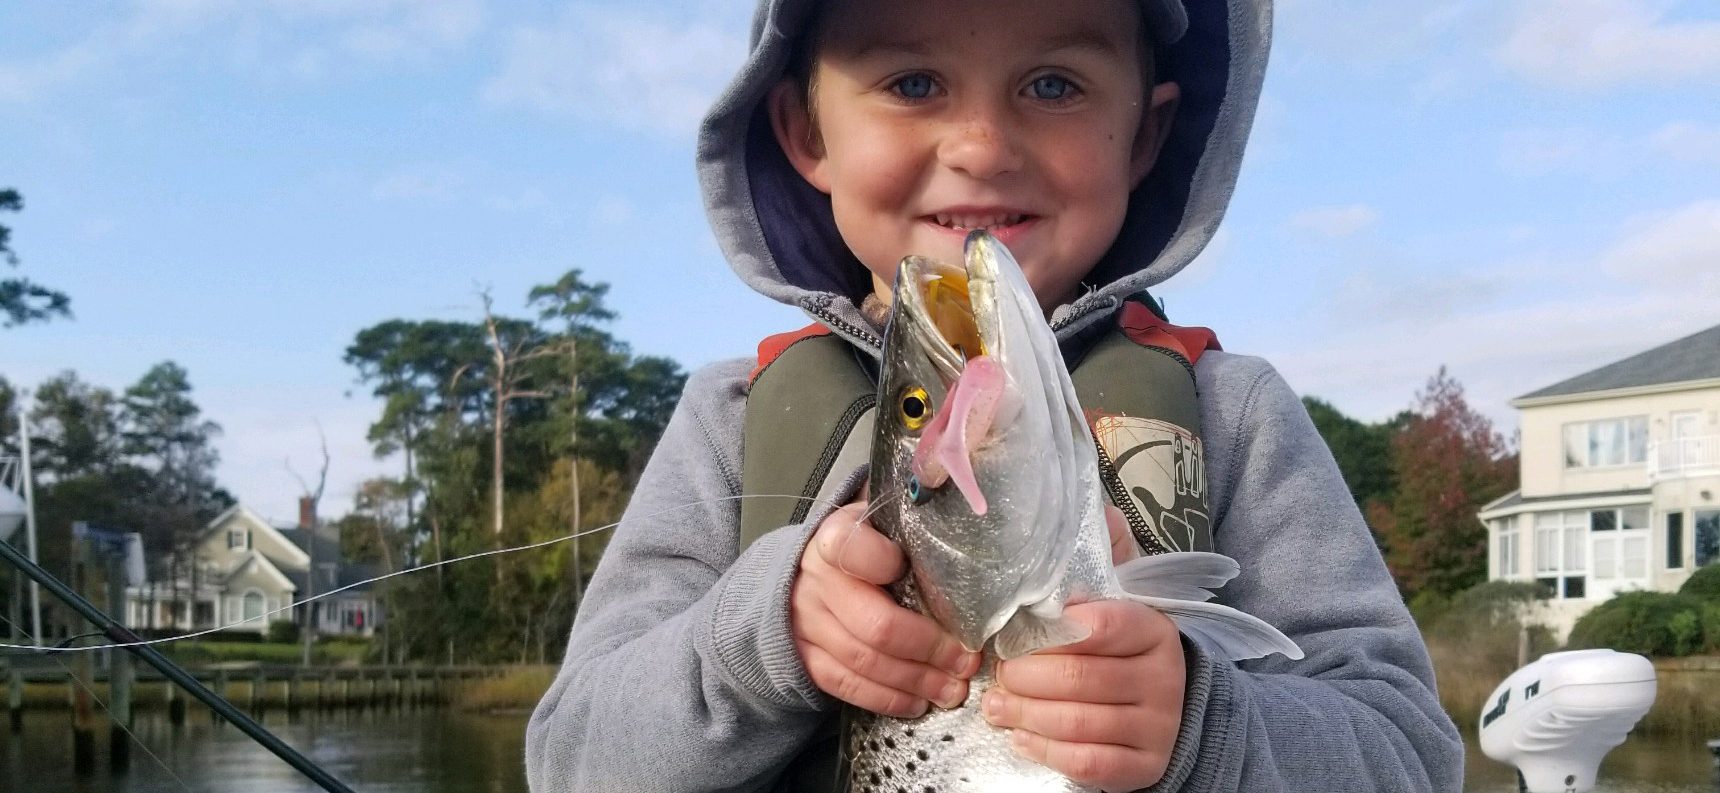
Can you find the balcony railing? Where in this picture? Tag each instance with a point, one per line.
(1684, 457)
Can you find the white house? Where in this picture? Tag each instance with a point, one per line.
(1620, 475)
(247, 571)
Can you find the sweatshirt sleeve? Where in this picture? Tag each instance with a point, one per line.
(1359, 712)
(681, 673)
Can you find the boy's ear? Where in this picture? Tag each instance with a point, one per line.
(1155, 128)
(791, 121)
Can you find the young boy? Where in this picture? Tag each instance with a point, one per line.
(1099, 140)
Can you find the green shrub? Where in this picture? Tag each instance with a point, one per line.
(283, 632)
(1704, 583)
(1650, 623)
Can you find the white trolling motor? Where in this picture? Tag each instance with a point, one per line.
(1555, 719)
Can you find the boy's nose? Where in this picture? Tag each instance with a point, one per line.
(980, 145)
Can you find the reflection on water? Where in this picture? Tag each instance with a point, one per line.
(1643, 764)
(442, 751)
(424, 751)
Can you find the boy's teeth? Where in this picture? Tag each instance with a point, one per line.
(977, 222)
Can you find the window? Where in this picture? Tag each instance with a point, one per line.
(253, 605)
(1594, 444)
(1561, 558)
(1674, 540)
(235, 538)
(1508, 548)
(1707, 523)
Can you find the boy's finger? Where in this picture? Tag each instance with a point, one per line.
(1077, 722)
(1119, 628)
(854, 547)
(922, 680)
(845, 684)
(1072, 678)
(1123, 545)
(876, 621)
(1096, 765)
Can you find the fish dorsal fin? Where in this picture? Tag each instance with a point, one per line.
(1181, 575)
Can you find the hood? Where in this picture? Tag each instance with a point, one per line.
(780, 236)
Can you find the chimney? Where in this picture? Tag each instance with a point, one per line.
(307, 513)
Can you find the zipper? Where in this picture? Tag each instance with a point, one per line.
(1144, 535)
(819, 312)
(1187, 365)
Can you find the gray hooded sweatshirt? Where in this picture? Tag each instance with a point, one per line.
(681, 673)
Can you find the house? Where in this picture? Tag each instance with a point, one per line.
(1620, 480)
(248, 573)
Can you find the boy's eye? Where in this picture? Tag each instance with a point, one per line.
(1051, 87)
(914, 86)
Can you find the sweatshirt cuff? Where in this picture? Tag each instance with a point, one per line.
(749, 633)
(1205, 737)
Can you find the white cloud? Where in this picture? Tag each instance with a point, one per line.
(1516, 326)
(303, 38)
(1335, 222)
(432, 184)
(1541, 150)
(1367, 31)
(612, 210)
(1546, 150)
(1596, 44)
(1689, 142)
(641, 71)
(1679, 249)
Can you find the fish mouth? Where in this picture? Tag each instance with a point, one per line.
(952, 312)
(952, 316)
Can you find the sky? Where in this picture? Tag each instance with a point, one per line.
(1516, 190)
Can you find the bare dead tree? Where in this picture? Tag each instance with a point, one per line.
(505, 381)
(307, 635)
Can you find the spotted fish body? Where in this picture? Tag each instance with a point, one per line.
(996, 552)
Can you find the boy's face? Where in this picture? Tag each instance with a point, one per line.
(930, 119)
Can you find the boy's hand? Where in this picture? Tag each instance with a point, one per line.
(856, 643)
(1104, 711)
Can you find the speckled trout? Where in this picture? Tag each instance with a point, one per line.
(984, 471)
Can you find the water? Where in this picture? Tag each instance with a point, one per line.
(422, 751)
(443, 751)
(1642, 764)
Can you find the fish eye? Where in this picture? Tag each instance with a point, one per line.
(918, 493)
(914, 408)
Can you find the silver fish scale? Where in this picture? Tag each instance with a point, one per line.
(943, 751)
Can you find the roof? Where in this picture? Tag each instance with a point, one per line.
(254, 559)
(327, 551)
(241, 512)
(1515, 501)
(1694, 357)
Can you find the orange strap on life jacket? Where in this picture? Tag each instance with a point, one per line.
(774, 345)
(1143, 327)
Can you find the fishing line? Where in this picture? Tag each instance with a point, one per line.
(73, 676)
(333, 592)
(874, 506)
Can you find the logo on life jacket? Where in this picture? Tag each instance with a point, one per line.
(1162, 469)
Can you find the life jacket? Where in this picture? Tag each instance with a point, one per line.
(809, 413)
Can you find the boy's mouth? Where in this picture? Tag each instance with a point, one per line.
(965, 222)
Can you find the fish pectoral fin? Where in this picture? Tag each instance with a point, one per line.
(1027, 632)
(1181, 575)
(1225, 632)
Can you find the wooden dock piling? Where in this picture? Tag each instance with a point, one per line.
(15, 699)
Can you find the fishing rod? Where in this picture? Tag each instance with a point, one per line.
(132, 643)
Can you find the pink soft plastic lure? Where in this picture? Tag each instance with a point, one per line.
(946, 454)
